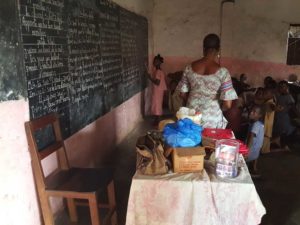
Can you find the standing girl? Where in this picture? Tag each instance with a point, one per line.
(158, 88)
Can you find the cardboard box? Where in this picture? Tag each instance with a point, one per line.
(188, 159)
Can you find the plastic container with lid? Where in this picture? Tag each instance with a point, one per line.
(226, 159)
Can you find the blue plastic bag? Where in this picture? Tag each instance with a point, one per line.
(183, 133)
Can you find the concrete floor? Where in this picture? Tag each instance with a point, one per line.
(124, 160)
(278, 188)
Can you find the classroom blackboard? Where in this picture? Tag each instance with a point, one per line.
(12, 81)
(81, 58)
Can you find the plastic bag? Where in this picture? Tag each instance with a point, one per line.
(183, 133)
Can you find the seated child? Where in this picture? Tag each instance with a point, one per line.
(259, 96)
(255, 137)
(175, 101)
(269, 82)
(257, 99)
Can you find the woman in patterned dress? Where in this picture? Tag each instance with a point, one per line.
(207, 87)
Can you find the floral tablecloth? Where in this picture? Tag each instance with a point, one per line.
(194, 199)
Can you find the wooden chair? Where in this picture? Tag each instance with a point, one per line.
(83, 184)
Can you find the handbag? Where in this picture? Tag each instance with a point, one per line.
(150, 156)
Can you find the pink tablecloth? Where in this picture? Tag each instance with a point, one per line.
(194, 199)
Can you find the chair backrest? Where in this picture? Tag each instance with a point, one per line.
(44, 138)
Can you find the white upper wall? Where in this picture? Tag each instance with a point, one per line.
(179, 26)
(254, 30)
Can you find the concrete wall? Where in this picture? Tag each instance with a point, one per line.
(18, 203)
(87, 148)
(254, 34)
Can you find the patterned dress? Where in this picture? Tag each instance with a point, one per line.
(205, 92)
(158, 93)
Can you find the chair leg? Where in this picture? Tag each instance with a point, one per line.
(112, 202)
(93, 204)
(46, 209)
(72, 210)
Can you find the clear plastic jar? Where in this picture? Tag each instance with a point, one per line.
(226, 161)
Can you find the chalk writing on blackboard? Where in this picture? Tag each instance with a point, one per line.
(45, 62)
(81, 58)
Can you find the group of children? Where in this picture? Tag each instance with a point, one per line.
(270, 121)
(268, 111)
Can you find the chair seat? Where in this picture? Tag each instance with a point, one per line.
(80, 179)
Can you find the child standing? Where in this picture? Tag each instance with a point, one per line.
(283, 126)
(270, 107)
(158, 88)
(255, 137)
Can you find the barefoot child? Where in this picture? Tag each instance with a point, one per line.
(158, 88)
(255, 137)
